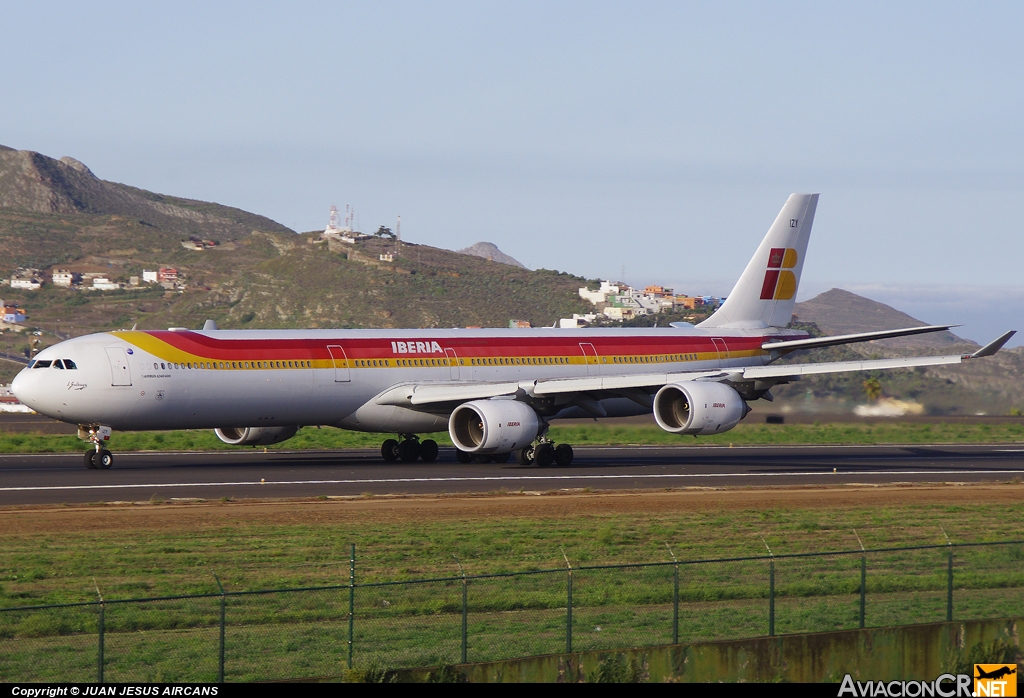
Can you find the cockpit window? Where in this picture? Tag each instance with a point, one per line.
(69, 364)
(57, 363)
(42, 363)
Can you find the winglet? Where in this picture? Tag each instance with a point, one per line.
(992, 347)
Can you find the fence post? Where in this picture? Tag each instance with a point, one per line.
(220, 654)
(863, 576)
(863, 585)
(675, 597)
(771, 589)
(102, 628)
(351, 603)
(568, 606)
(465, 594)
(949, 588)
(99, 658)
(949, 578)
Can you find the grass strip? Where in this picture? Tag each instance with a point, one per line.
(311, 438)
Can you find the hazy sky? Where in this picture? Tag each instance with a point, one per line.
(662, 137)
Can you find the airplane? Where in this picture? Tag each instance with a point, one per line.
(495, 391)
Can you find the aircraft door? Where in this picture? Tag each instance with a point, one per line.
(453, 364)
(723, 349)
(590, 355)
(340, 359)
(120, 374)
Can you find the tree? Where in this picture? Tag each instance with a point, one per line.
(383, 232)
(872, 388)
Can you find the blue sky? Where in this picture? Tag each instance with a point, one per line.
(662, 137)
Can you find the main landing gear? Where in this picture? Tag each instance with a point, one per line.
(97, 456)
(409, 449)
(544, 453)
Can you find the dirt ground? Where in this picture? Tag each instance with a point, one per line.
(200, 515)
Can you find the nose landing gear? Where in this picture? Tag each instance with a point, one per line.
(97, 456)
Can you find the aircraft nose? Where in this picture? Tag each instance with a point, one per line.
(22, 387)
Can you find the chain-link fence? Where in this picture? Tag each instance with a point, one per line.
(322, 631)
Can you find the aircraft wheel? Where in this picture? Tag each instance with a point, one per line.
(462, 456)
(484, 459)
(503, 457)
(563, 455)
(544, 455)
(104, 459)
(524, 456)
(89, 462)
(389, 450)
(409, 450)
(428, 451)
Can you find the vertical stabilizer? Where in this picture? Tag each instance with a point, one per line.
(766, 292)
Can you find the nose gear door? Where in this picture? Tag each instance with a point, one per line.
(120, 374)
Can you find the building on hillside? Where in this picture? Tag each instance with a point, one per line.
(193, 245)
(12, 313)
(620, 313)
(65, 278)
(150, 277)
(519, 324)
(387, 257)
(102, 283)
(167, 274)
(576, 321)
(27, 284)
(601, 294)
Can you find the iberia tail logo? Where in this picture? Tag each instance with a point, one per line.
(779, 281)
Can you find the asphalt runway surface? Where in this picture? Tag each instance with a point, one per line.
(62, 478)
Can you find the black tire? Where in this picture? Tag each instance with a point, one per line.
(104, 459)
(408, 450)
(389, 450)
(90, 463)
(544, 455)
(462, 456)
(503, 457)
(563, 455)
(484, 459)
(524, 456)
(428, 451)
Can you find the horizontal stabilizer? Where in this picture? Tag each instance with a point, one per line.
(993, 346)
(816, 342)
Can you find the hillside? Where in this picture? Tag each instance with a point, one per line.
(488, 250)
(261, 274)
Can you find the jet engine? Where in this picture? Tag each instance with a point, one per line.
(698, 408)
(254, 436)
(493, 426)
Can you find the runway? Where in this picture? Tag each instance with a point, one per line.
(61, 478)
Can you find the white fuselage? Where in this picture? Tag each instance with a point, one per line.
(253, 378)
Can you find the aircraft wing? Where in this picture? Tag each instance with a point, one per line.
(815, 342)
(636, 386)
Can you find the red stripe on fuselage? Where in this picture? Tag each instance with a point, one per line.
(278, 349)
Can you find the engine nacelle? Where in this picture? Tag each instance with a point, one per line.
(698, 408)
(493, 426)
(254, 436)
